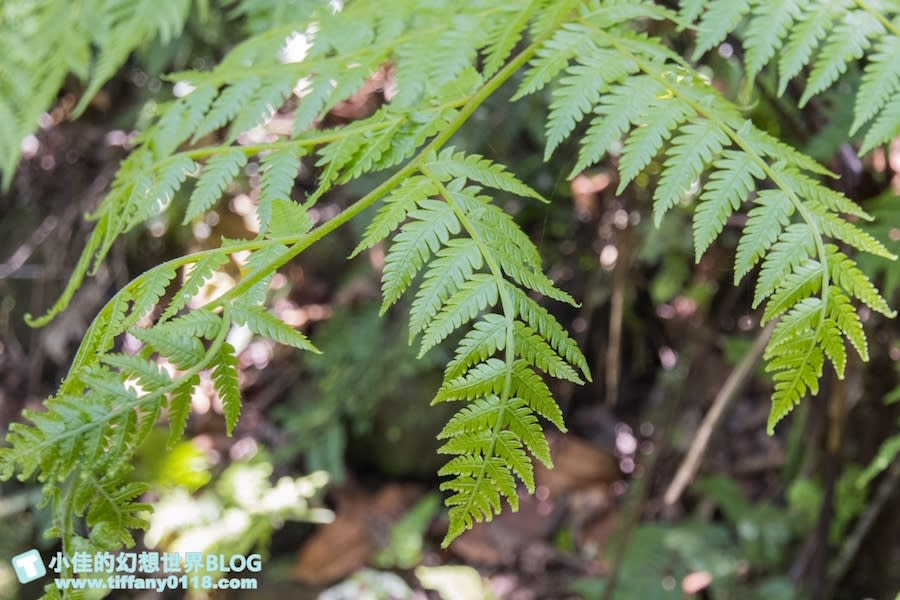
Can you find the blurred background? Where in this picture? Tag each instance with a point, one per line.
(330, 474)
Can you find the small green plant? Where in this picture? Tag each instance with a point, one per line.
(617, 87)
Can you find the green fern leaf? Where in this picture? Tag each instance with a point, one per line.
(413, 245)
(845, 273)
(148, 289)
(216, 175)
(289, 219)
(792, 249)
(833, 345)
(449, 164)
(536, 351)
(769, 25)
(849, 233)
(795, 372)
(717, 21)
(184, 352)
(279, 170)
(454, 265)
(655, 126)
(262, 322)
(803, 282)
(842, 312)
(262, 105)
(505, 445)
(480, 414)
(478, 484)
(227, 105)
(551, 58)
(579, 91)
(180, 409)
(481, 380)
(147, 373)
(476, 295)
(620, 107)
(199, 272)
(880, 82)
(225, 380)
(537, 317)
(529, 386)
(692, 149)
(885, 128)
(762, 143)
(764, 225)
(505, 35)
(803, 40)
(848, 41)
(487, 337)
(395, 210)
(801, 319)
(524, 425)
(823, 198)
(727, 188)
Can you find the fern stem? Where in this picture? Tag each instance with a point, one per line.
(885, 22)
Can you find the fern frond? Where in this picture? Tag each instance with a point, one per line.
(289, 219)
(279, 170)
(794, 246)
(454, 265)
(180, 409)
(476, 295)
(717, 21)
(619, 108)
(728, 186)
(396, 207)
(414, 244)
(265, 324)
(579, 91)
(803, 282)
(770, 23)
(450, 165)
(847, 41)
(216, 175)
(692, 149)
(196, 276)
(654, 128)
(844, 315)
(485, 339)
(880, 82)
(147, 373)
(764, 224)
(225, 381)
(849, 277)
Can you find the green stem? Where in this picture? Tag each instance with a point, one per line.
(474, 101)
(880, 17)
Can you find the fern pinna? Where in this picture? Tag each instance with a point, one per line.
(464, 262)
(827, 37)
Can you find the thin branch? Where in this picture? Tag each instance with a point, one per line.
(724, 398)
